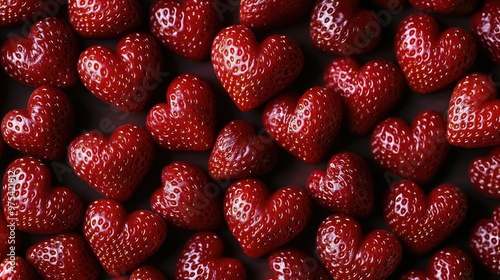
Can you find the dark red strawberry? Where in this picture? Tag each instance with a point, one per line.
(145, 272)
(484, 173)
(451, 7)
(65, 256)
(239, 152)
(126, 77)
(202, 258)
(127, 154)
(307, 126)
(474, 113)
(262, 222)
(251, 71)
(35, 206)
(293, 264)
(431, 59)
(104, 18)
(348, 254)
(345, 187)
(16, 268)
(17, 12)
(368, 92)
(260, 14)
(122, 241)
(341, 27)
(421, 222)
(484, 241)
(187, 121)
(43, 129)
(414, 152)
(187, 28)
(48, 56)
(484, 26)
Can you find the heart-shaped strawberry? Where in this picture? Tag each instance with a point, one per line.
(483, 26)
(484, 241)
(474, 113)
(187, 28)
(307, 126)
(270, 219)
(16, 268)
(33, 205)
(348, 254)
(187, 121)
(292, 264)
(16, 12)
(421, 222)
(414, 152)
(431, 59)
(260, 14)
(113, 165)
(484, 173)
(48, 56)
(187, 198)
(122, 241)
(201, 258)
(340, 27)
(126, 77)
(450, 7)
(251, 71)
(239, 152)
(346, 186)
(43, 129)
(368, 92)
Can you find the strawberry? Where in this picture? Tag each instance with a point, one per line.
(266, 14)
(291, 264)
(65, 256)
(47, 56)
(261, 222)
(484, 243)
(122, 241)
(341, 27)
(187, 198)
(483, 26)
(474, 113)
(145, 272)
(251, 71)
(346, 186)
(451, 7)
(240, 153)
(124, 78)
(104, 18)
(33, 205)
(43, 129)
(201, 258)
(421, 222)
(484, 173)
(348, 254)
(368, 92)
(430, 59)
(307, 126)
(447, 263)
(414, 152)
(17, 12)
(187, 121)
(127, 154)
(16, 268)
(187, 28)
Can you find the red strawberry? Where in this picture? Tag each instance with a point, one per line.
(35, 206)
(187, 28)
(271, 13)
(262, 222)
(187, 120)
(122, 241)
(474, 113)
(124, 78)
(430, 59)
(346, 186)
(113, 165)
(47, 56)
(201, 258)
(340, 27)
(348, 254)
(251, 71)
(65, 256)
(145, 272)
(453, 7)
(421, 222)
(44, 129)
(16, 12)
(484, 241)
(414, 152)
(292, 264)
(240, 153)
(484, 26)
(447, 263)
(368, 92)
(104, 18)
(187, 198)
(16, 268)
(305, 127)
(484, 173)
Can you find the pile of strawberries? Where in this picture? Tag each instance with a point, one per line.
(297, 139)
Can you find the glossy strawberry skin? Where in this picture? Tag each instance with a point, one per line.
(145, 272)
(269, 14)
(17, 12)
(450, 7)
(16, 268)
(483, 26)
(484, 241)
(250, 71)
(431, 59)
(484, 173)
(291, 264)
